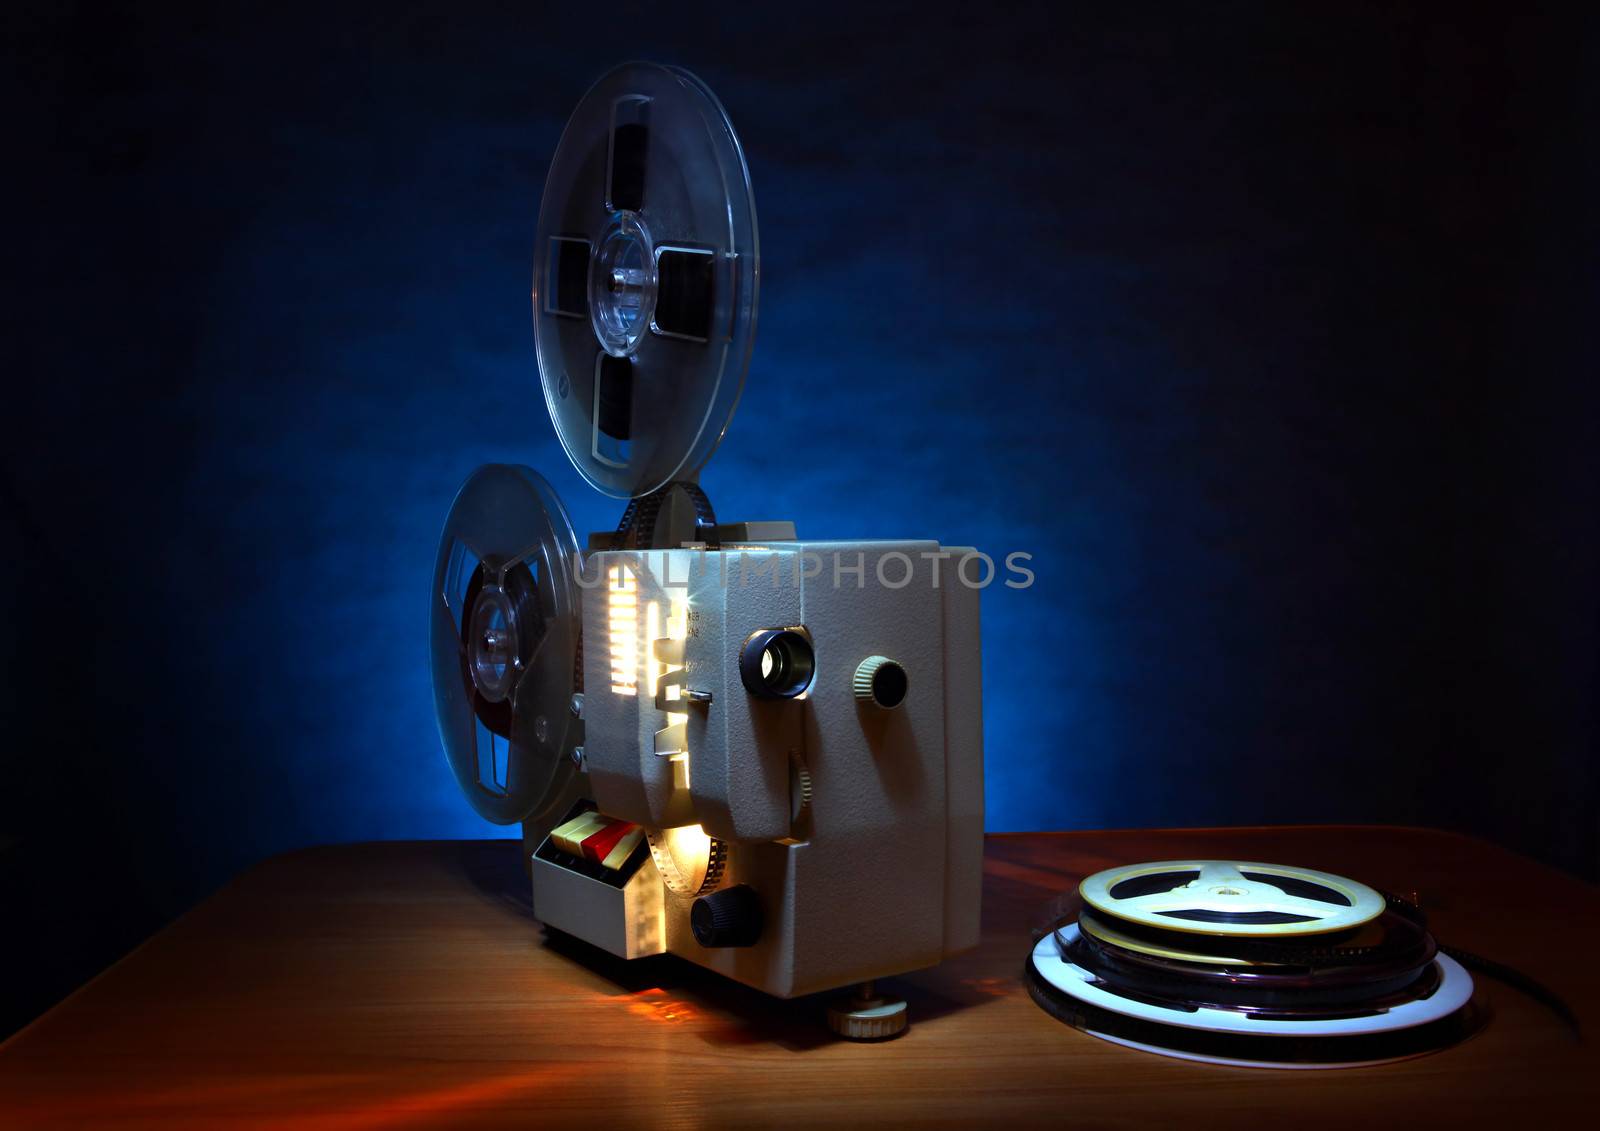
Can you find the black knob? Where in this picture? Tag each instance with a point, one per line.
(730, 917)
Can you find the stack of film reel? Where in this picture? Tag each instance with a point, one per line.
(1250, 964)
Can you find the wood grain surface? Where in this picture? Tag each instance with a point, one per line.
(407, 985)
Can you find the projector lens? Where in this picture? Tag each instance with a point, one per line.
(777, 663)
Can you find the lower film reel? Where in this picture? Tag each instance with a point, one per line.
(504, 617)
(1239, 990)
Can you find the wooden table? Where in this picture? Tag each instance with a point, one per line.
(406, 984)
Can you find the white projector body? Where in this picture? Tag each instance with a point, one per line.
(859, 828)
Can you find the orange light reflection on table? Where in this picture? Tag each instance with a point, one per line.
(657, 1005)
(301, 1101)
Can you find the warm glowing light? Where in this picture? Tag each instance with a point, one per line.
(652, 631)
(622, 595)
(670, 740)
(690, 844)
(655, 1004)
(677, 629)
(684, 856)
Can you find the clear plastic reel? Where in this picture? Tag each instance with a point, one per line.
(646, 274)
(505, 618)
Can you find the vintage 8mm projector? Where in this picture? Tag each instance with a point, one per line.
(760, 754)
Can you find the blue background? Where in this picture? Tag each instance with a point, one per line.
(1262, 331)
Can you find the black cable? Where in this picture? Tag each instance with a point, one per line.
(1517, 980)
(1499, 971)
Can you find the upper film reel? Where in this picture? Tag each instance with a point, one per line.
(646, 271)
(504, 622)
(1224, 897)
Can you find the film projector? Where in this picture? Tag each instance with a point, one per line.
(721, 742)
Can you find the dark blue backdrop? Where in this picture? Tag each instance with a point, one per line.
(1260, 330)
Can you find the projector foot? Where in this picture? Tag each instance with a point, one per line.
(866, 1015)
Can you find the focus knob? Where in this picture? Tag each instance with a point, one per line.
(881, 682)
(730, 917)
